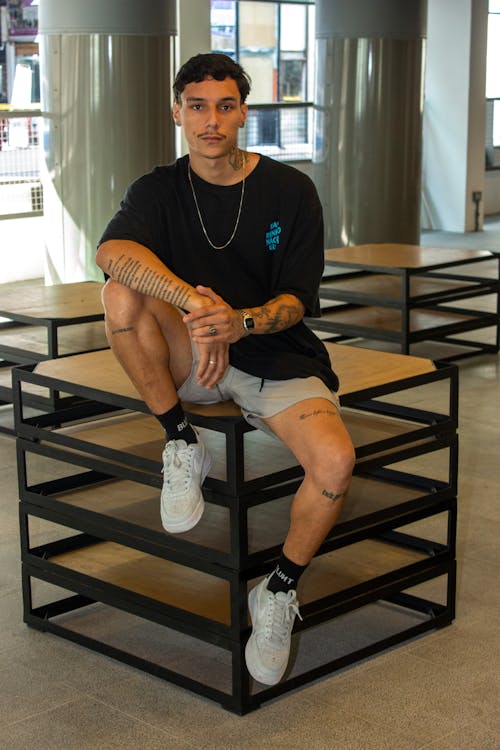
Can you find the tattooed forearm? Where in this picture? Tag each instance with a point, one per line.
(332, 495)
(131, 273)
(278, 316)
(316, 412)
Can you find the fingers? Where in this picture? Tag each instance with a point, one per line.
(214, 359)
(220, 323)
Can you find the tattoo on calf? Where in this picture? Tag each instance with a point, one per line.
(122, 330)
(332, 495)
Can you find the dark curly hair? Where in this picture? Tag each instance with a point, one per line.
(213, 64)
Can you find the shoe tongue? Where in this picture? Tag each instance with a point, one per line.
(181, 445)
(281, 596)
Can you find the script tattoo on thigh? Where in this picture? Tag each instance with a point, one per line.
(317, 412)
(332, 496)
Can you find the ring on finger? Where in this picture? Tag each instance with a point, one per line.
(212, 331)
(212, 361)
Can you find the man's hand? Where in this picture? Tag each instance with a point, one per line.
(214, 360)
(213, 348)
(216, 324)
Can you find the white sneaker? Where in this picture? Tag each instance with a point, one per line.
(185, 466)
(268, 648)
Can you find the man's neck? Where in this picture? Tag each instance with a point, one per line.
(226, 170)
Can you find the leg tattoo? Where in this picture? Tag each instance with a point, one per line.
(332, 496)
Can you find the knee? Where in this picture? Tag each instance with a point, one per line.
(119, 301)
(332, 466)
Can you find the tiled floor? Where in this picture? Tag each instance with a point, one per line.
(440, 692)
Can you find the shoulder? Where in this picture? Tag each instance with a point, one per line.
(289, 178)
(159, 181)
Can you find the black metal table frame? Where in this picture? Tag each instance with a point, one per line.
(433, 431)
(435, 301)
(11, 356)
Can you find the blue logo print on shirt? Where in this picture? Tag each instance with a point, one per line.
(273, 236)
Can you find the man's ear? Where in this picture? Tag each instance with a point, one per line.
(244, 112)
(176, 114)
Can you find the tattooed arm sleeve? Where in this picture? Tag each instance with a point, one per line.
(134, 266)
(280, 313)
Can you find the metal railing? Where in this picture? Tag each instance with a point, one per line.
(282, 130)
(20, 185)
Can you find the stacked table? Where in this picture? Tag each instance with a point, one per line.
(98, 568)
(406, 294)
(44, 322)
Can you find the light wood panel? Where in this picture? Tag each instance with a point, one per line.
(388, 255)
(52, 302)
(267, 523)
(389, 319)
(70, 339)
(357, 369)
(208, 596)
(392, 286)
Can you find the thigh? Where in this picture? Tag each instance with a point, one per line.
(311, 427)
(151, 329)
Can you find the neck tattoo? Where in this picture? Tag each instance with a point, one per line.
(220, 247)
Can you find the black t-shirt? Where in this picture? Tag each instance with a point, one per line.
(278, 248)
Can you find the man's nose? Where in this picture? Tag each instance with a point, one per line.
(213, 117)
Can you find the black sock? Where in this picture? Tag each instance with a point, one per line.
(285, 576)
(176, 425)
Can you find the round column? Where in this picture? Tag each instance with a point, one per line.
(105, 73)
(368, 119)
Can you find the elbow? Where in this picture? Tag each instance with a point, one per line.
(102, 257)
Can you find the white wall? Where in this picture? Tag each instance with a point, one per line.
(454, 112)
(23, 249)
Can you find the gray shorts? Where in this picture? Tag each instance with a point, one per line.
(257, 399)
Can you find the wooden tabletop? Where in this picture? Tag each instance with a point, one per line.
(79, 299)
(402, 256)
(357, 369)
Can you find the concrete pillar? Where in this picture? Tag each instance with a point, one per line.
(368, 119)
(193, 38)
(105, 77)
(455, 115)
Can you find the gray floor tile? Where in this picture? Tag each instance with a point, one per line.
(85, 724)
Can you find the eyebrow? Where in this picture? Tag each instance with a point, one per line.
(202, 99)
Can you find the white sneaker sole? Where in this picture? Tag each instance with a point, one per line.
(189, 523)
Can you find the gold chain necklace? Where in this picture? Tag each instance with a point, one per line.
(219, 247)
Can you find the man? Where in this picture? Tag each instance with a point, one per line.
(212, 263)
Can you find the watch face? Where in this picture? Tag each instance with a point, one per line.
(249, 323)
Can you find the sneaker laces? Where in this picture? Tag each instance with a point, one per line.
(177, 480)
(281, 612)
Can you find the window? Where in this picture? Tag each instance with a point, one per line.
(274, 42)
(493, 82)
